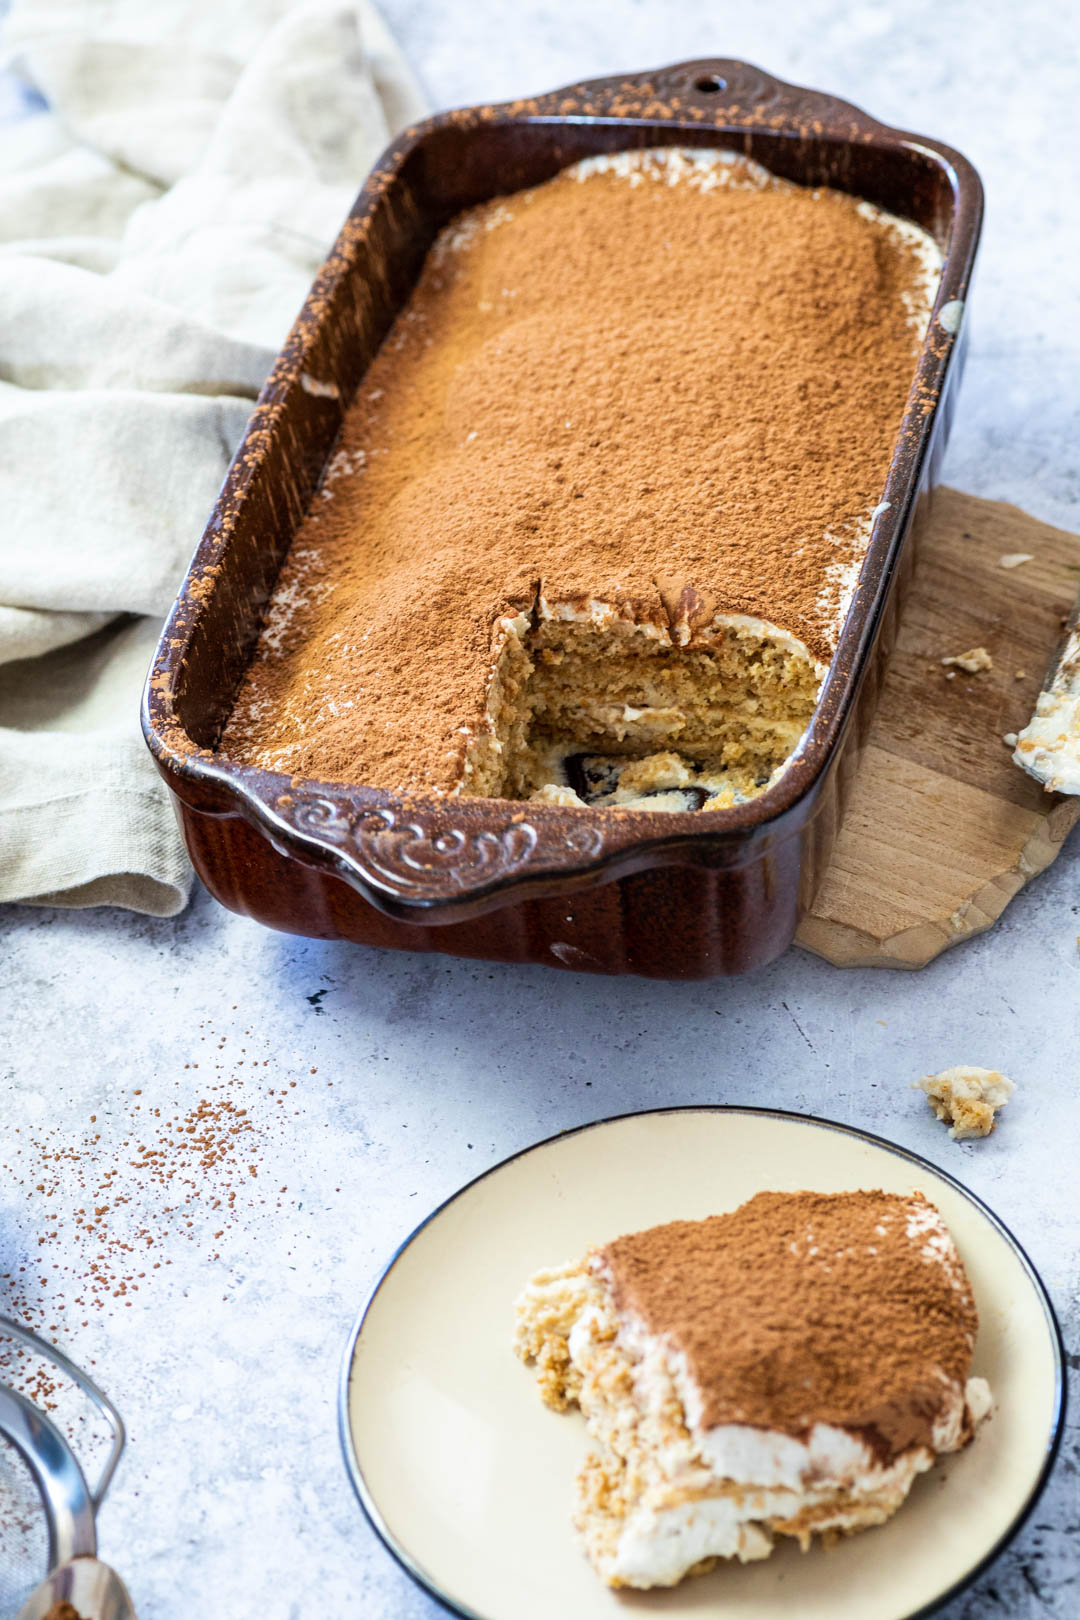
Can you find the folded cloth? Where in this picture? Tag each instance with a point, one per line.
(176, 178)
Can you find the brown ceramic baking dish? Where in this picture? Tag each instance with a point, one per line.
(667, 895)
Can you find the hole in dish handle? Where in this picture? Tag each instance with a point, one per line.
(709, 84)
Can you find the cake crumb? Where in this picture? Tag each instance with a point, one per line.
(556, 793)
(1009, 739)
(973, 661)
(966, 1099)
(1013, 559)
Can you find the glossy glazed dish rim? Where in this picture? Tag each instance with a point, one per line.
(433, 858)
(416, 1572)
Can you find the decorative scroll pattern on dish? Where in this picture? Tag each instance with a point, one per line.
(423, 863)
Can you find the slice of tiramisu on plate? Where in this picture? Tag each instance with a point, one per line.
(785, 1369)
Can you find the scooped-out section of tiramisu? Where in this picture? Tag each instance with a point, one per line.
(600, 507)
(788, 1369)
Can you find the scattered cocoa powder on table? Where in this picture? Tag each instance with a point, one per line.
(108, 1206)
(614, 388)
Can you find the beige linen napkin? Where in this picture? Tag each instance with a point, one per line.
(161, 218)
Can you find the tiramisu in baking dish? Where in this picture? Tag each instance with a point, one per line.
(599, 507)
(785, 1370)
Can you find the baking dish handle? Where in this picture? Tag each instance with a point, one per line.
(711, 91)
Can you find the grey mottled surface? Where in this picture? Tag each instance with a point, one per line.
(382, 1082)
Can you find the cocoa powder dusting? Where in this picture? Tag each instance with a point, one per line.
(615, 388)
(804, 1308)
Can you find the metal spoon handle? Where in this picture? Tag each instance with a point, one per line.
(108, 1411)
(94, 1590)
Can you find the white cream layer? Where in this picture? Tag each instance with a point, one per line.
(1048, 748)
(782, 1477)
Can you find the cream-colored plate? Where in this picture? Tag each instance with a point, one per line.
(468, 1477)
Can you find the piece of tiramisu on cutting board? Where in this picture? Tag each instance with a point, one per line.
(943, 829)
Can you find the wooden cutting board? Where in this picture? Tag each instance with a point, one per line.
(942, 828)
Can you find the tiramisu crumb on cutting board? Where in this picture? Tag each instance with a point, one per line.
(972, 662)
